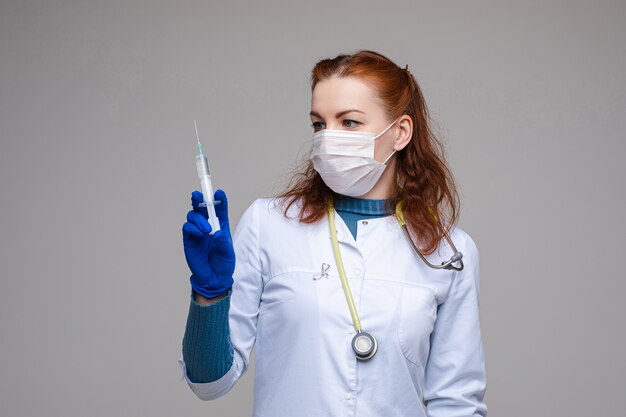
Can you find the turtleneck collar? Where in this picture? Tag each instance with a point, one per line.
(359, 205)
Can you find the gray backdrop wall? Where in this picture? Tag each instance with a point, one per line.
(97, 101)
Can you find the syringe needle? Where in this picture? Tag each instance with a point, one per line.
(196, 125)
(197, 137)
(202, 165)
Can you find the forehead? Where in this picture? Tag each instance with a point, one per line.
(335, 94)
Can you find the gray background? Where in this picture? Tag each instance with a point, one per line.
(97, 101)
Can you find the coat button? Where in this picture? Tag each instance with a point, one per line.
(351, 330)
(347, 396)
(357, 271)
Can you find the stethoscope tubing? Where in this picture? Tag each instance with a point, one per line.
(444, 265)
(342, 272)
(457, 257)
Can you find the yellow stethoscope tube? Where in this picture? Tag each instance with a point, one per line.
(342, 271)
(364, 344)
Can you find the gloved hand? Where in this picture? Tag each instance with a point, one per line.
(211, 258)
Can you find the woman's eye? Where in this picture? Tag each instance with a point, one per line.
(317, 126)
(351, 123)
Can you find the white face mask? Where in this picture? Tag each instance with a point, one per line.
(345, 160)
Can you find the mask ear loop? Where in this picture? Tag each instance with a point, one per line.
(386, 129)
(390, 155)
(382, 133)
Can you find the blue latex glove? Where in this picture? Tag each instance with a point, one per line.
(211, 258)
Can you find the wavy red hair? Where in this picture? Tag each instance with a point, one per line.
(423, 180)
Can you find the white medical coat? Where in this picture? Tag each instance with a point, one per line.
(430, 358)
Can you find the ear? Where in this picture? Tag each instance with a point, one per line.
(405, 123)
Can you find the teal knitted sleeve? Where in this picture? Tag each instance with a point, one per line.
(207, 349)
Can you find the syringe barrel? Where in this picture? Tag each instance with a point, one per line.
(207, 191)
(202, 165)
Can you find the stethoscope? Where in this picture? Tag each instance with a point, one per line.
(364, 344)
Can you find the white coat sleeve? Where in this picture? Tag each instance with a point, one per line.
(455, 377)
(244, 306)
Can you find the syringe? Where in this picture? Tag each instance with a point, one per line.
(204, 174)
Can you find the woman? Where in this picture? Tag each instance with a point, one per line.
(393, 336)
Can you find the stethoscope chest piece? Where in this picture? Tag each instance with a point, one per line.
(364, 345)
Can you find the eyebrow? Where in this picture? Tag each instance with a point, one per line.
(338, 115)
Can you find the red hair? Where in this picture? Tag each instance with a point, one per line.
(423, 181)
